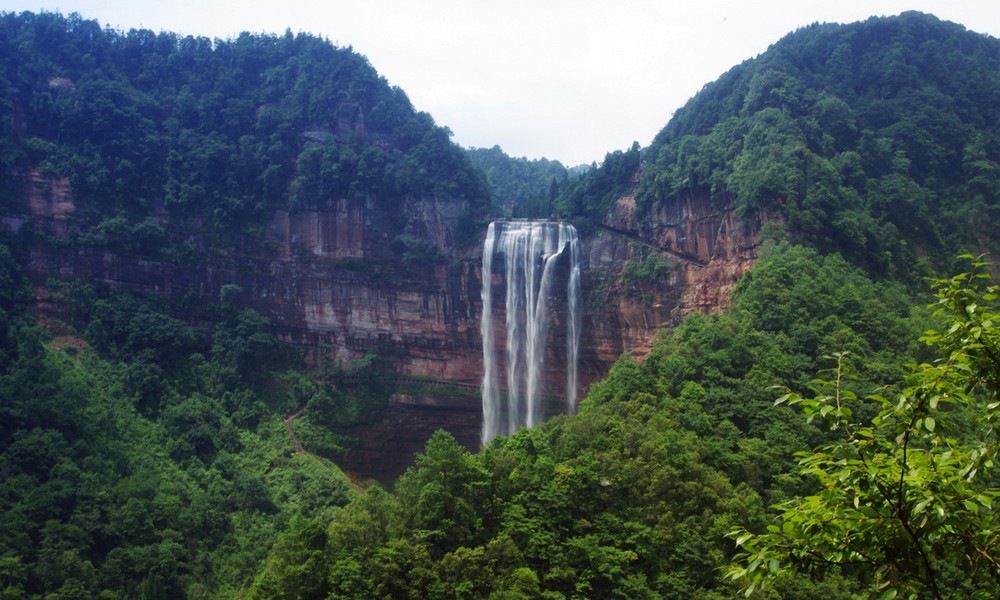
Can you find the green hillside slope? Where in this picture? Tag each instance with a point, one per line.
(520, 187)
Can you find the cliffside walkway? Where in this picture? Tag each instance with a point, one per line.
(291, 431)
(465, 385)
(631, 236)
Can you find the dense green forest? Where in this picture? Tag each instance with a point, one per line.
(145, 458)
(520, 187)
(142, 448)
(220, 132)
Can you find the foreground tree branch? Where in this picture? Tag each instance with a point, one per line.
(909, 496)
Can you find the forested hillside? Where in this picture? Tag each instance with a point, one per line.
(872, 149)
(878, 140)
(520, 187)
(142, 456)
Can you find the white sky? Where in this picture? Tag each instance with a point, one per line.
(561, 79)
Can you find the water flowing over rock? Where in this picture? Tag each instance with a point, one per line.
(527, 257)
(318, 273)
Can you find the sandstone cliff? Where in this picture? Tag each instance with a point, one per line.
(709, 249)
(328, 278)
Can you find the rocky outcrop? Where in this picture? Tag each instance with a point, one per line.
(708, 247)
(719, 247)
(388, 439)
(615, 320)
(49, 202)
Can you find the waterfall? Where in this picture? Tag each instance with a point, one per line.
(531, 253)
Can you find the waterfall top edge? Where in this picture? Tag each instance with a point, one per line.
(525, 220)
(502, 222)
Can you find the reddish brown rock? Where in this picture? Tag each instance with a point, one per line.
(49, 202)
(329, 279)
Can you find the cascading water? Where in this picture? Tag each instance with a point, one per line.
(531, 252)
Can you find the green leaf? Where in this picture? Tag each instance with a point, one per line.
(772, 565)
(930, 424)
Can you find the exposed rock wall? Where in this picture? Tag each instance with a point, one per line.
(388, 439)
(720, 246)
(329, 279)
(708, 245)
(48, 201)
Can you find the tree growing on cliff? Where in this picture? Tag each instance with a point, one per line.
(907, 499)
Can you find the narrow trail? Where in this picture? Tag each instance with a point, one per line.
(291, 431)
(443, 383)
(352, 482)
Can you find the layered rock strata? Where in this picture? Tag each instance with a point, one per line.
(328, 278)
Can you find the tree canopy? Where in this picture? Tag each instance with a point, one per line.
(520, 187)
(906, 497)
(227, 131)
(878, 140)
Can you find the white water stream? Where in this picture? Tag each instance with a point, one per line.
(531, 253)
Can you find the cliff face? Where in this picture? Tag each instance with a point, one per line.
(324, 195)
(708, 248)
(326, 276)
(335, 285)
(329, 280)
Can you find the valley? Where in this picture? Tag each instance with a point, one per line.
(243, 340)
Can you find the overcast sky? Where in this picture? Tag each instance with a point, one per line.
(561, 79)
